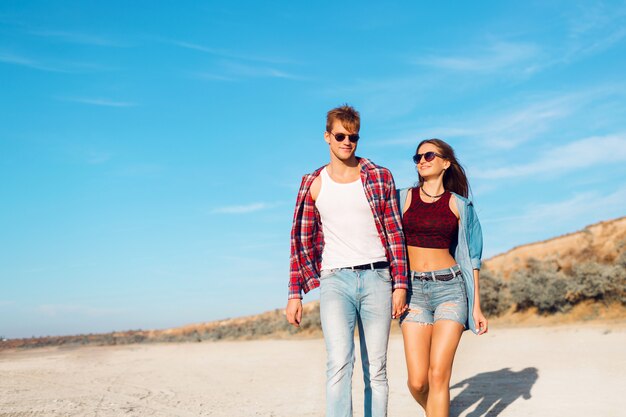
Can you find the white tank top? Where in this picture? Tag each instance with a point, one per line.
(350, 234)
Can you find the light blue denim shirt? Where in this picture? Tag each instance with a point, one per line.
(469, 248)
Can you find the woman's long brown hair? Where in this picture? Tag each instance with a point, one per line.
(454, 178)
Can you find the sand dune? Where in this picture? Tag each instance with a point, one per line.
(548, 371)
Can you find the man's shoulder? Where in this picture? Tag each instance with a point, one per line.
(312, 175)
(371, 166)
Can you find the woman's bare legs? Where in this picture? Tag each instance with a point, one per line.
(446, 335)
(417, 341)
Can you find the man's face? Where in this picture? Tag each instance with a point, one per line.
(345, 149)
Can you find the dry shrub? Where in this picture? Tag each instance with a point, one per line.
(541, 285)
(494, 297)
(544, 286)
(599, 282)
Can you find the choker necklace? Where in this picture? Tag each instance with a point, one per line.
(432, 196)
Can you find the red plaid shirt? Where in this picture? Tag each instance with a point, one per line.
(307, 236)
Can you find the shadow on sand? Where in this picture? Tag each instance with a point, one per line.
(494, 391)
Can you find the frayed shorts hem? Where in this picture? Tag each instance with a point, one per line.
(408, 319)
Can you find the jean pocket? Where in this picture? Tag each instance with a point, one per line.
(325, 273)
(463, 287)
(383, 274)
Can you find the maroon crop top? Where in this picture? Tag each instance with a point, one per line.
(430, 225)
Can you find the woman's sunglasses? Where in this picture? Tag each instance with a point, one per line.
(340, 137)
(428, 156)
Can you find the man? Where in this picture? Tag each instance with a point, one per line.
(347, 239)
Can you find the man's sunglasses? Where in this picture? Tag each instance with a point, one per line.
(428, 156)
(340, 137)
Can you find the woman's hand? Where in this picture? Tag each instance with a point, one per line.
(479, 318)
(398, 303)
(481, 321)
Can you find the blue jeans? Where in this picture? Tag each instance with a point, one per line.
(431, 300)
(347, 298)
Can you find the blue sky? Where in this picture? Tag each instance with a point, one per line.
(150, 153)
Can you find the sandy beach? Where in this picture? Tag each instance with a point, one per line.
(547, 371)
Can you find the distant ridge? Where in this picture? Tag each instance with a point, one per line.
(269, 324)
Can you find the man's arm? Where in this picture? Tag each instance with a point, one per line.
(392, 220)
(294, 303)
(397, 250)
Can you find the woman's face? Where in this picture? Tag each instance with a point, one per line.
(433, 168)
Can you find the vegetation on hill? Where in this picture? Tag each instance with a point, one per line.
(545, 286)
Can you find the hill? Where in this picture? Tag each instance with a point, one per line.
(602, 242)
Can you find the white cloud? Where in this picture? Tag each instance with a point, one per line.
(522, 125)
(98, 157)
(140, 170)
(243, 209)
(233, 71)
(76, 37)
(385, 98)
(14, 59)
(99, 101)
(592, 151)
(254, 71)
(495, 57)
(539, 221)
(212, 76)
(582, 208)
(228, 54)
(504, 127)
(594, 28)
(56, 66)
(505, 130)
(601, 44)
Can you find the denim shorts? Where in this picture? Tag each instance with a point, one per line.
(431, 300)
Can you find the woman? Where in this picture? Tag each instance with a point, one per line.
(444, 245)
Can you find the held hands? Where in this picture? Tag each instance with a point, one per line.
(481, 321)
(398, 303)
(294, 311)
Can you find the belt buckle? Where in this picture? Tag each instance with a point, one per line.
(423, 276)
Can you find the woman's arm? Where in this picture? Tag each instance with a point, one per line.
(479, 318)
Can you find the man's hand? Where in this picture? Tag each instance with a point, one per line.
(294, 311)
(398, 303)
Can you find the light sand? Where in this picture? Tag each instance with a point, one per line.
(562, 371)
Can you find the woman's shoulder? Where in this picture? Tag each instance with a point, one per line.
(404, 191)
(460, 199)
(402, 194)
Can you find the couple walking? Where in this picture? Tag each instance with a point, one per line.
(378, 254)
